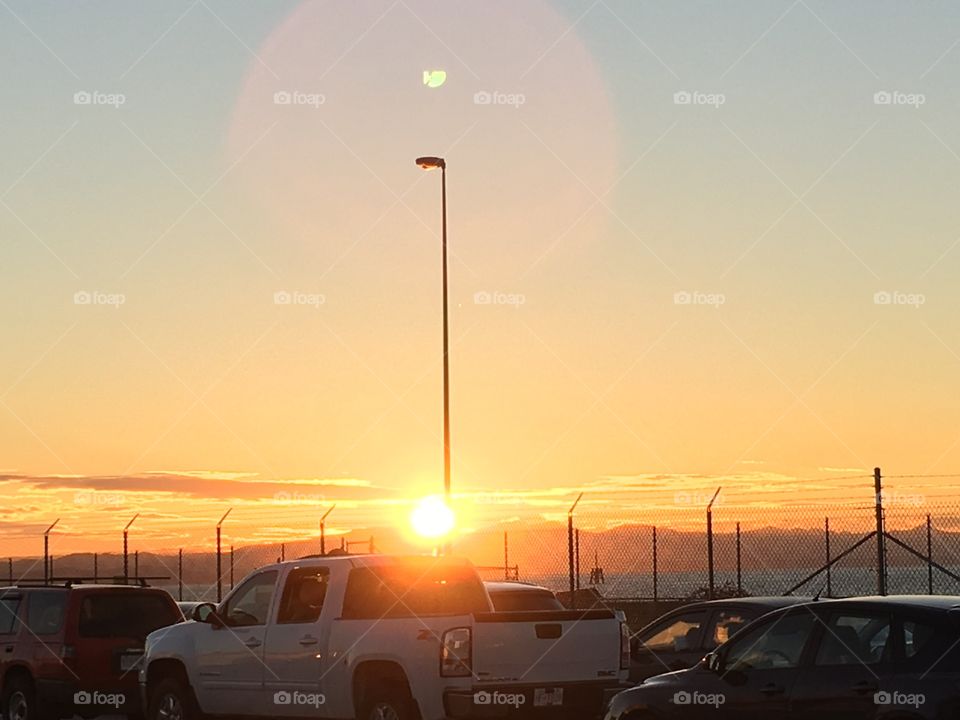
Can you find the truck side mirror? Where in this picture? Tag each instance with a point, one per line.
(207, 613)
(713, 662)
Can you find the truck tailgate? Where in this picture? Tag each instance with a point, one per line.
(552, 647)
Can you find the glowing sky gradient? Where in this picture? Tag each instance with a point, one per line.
(597, 200)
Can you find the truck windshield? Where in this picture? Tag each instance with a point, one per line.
(125, 615)
(414, 587)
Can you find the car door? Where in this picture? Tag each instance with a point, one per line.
(673, 643)
(230, 656)
(851, 667)
(759, 667)
(294, 649)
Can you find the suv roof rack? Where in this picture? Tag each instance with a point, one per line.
(139, 581)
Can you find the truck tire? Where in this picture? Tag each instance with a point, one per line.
(19, 701)
(171, 700)
(391, 701)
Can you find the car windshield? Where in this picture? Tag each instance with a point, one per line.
(127, 615)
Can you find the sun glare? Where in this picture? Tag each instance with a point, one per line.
(432, 518)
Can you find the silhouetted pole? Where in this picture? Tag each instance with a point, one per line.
(929, 555)
(655, 568)
(219, 571)
(429, 163)
(739, 567)
(710, 567)
(506, 556)
(96, 567)
(570, 551)
(180, 574)
(136, 564)
(10, 569)
(826, 529)
(126, 573)
(323, 530)
(231, 567)
(577, 535)
(47, 564)
(881, 551)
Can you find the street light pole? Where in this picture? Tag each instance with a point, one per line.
(429, 163)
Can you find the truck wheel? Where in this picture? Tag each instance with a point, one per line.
(390, 702)
(170, 700)
(19, 700)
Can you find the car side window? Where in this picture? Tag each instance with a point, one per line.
(775, 644)
(676, 634)
(250, 604)
(9, 607)
(725, 624)
(918, 637)
(853, 638)
(303, 595)
(45, 611)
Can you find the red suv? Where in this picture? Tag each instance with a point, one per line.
(72, 649)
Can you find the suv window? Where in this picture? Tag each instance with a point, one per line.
(852, 638)
(676, 634)
(45, 610)
(124, 614)
(775, 644)
(9, 606)
(726, 624)
(250, 604)
(919, 637)
(303, 595)
(414, 587)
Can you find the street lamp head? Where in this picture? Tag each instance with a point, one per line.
(429, 163)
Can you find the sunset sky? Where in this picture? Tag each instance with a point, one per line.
(753, 289)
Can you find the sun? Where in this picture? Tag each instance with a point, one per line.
(432, 518)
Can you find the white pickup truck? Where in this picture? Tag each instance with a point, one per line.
(380, 637)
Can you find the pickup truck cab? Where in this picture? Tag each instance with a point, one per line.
(380, 638)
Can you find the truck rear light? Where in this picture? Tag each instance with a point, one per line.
(624, 646)
(456, 653)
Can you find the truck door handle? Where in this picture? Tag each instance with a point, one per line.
(8, 648)
(771, 689)
(863, 688)
(308, 640)
(252, 642)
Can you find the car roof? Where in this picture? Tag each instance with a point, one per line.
(364, 561)
(506, 586)
(932, 602)
(767, 602)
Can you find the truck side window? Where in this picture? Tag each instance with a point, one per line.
(9, 606)
(45, 610)
(303, 595)
(250, 604)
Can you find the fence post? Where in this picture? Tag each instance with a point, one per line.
(929, 555)
(881, 550)
(180, 574)
(826, 530)
(219, 571)
(231, 567)
(96, 568)
(655, 568)
(10, 569)
(136, 563)
(570, 556)
(710, 566)
(578, 557)
(506, 556)
(739, 567)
